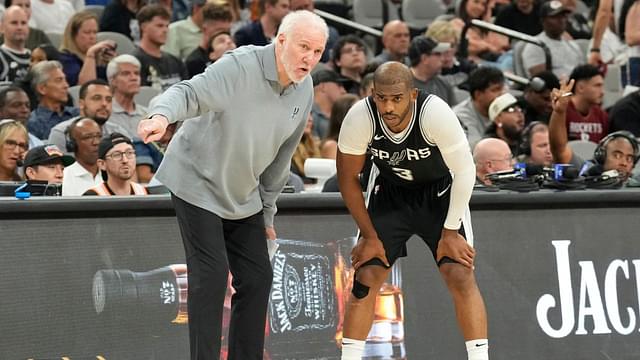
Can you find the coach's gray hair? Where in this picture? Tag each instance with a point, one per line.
(42, 71)
(114, 65)
(302, 17)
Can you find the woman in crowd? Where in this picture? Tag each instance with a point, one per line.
(329, 145)
(82, 57)
(307, 148)
(14, 143)
(455, 70)
(481, 46)
(42, 52)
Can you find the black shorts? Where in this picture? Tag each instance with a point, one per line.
(398, 212)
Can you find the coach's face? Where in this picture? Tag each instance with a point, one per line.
(394, 103)
(301, 51)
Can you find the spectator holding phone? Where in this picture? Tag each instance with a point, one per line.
(82, 57)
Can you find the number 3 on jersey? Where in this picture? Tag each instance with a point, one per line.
(403, 173)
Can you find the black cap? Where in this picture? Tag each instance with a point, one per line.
(552, 8)
(109, 141)
(46, 154)
(326, 75)
(426, 45)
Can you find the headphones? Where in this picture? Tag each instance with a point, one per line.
(600, 153)
(525, 137)
(69, 141)
(537, 84)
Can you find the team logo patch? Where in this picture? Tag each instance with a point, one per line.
(397, 157)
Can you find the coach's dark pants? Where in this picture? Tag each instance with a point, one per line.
(213, 246)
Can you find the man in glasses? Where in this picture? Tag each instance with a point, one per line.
(350, 60)
(82, 138)
(491, 155)
(507, 121)
(117, 162)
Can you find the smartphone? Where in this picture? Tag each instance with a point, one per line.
(110, 51)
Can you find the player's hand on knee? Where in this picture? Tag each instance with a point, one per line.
(367, 249)
(454, 246)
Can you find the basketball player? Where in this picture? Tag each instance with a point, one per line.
(418, 146)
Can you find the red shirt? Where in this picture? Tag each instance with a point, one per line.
(592, 127)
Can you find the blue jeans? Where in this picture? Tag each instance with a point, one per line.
(504, 62)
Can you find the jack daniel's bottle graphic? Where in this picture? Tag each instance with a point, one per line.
(386, 338)
(302, 303)
(311, 285)
(302, 314)
(161, 293)
(158, 296)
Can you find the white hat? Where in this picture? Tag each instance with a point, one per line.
(499, 104)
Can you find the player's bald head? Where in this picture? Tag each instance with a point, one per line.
(392, 73)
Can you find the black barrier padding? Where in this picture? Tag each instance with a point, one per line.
(51, 249)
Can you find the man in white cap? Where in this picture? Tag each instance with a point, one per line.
(507, 120)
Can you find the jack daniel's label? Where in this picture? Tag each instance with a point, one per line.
(302, 299)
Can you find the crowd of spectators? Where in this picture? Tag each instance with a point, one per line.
(534, 118)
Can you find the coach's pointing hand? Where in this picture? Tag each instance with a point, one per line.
(153, 128)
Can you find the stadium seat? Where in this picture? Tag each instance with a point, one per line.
(612, 86)
(56, 39)
(74, 92)
(125, 45)
(96, 9)
(145, 95)
(583, 148)
(584, 46)
(418, 14)
(518, 66)
(369, 12)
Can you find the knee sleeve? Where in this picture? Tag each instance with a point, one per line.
(359, 290)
